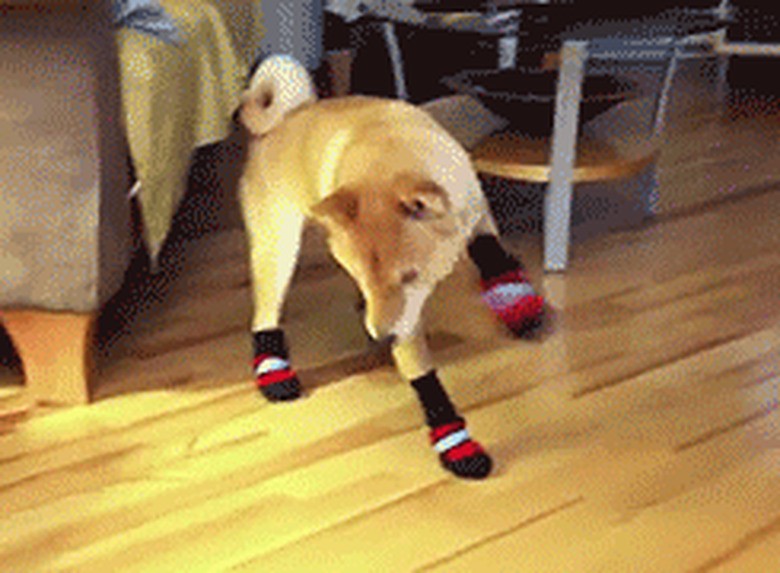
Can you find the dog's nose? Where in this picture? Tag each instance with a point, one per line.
(385, 339)
(389, 340)
(380, 335)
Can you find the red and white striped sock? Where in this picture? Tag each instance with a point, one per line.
(274, 376)
(505, 288)
(512, 298)
(458, 453)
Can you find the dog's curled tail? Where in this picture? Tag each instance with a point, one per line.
(278, 86)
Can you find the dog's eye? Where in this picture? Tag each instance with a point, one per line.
(414, 209)
(409, 277)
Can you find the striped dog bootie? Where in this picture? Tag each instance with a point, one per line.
(512, 298)
(274, 376)
(458, 453)
(505, 288)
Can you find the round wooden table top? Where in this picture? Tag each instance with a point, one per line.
(524, 158)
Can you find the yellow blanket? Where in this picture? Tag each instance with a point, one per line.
(176, 98)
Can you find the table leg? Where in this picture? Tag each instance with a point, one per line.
(557, 207)
(396, 59)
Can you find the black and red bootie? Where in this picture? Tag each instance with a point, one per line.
(512, 298)
(274, 376)
(458, 452)
(505, 286)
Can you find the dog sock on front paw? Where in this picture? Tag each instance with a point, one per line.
(505, 288)
(274, 376)
(458, 453)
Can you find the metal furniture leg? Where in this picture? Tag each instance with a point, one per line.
(557, 207)
(396, 60)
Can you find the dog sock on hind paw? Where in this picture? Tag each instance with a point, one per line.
(505, 288)
(274, 376)
(458, 453)
(513, 299)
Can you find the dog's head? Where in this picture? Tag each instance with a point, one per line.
(397, 239)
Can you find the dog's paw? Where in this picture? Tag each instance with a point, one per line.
(276, 380)
(512, 298)
(285, 391)
(458, 453)
(474, 467)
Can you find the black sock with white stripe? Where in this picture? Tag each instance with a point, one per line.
(274, 376)
(458, 453)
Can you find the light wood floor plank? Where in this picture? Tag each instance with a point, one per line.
(563, 431)
(694, 526)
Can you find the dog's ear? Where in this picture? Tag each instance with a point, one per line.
(341, 207)
(423, 200)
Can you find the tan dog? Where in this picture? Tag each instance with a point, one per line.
(400, 202)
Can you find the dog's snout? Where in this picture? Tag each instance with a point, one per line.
(389, 340)
(382, 338)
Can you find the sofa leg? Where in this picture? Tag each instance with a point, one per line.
(55, 348)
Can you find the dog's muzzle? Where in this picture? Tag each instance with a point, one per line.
(388, 340)
(381, 338)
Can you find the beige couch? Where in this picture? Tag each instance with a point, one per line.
(79, 101)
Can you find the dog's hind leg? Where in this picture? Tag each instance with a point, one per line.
(274, 234)
(458, 453)
(505, 286)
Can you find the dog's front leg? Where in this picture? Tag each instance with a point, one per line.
(412, 356)
(458, 453)
(273, 229)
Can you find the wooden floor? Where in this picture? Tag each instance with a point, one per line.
(639, 433)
